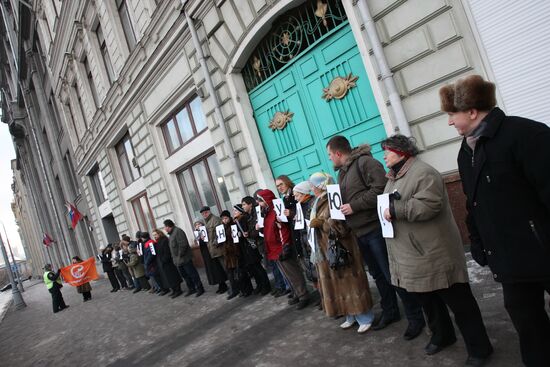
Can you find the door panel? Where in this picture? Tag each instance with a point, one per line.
(299, 149)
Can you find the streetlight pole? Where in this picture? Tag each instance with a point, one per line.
(16, 295)
(17, 273)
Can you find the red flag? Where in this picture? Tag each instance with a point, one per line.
(47, 240)
(74, 214)
(80, 273)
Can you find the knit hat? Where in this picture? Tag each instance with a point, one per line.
(239, 208)
(303, 187)
(225, 213)
(320, 180)
(467, 93)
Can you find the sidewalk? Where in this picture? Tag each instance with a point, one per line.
(125, 329)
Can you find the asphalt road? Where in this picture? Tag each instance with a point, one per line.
(125, 329)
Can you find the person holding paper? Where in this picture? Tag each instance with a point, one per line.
(105, 257)
(345, 291)
(213, 277)
(231, 255)
(150, 263)
(135, 264)
(302, 193)
(279, 248)
(254, 233)
(216, 249)
(165, 264)
(426, 253)
(362, 178)
(251, 259)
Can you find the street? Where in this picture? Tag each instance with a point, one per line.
(125, 329)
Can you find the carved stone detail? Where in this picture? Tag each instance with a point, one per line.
(280, 120)
(339, 87)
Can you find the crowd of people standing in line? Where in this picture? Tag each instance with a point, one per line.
(423, 263)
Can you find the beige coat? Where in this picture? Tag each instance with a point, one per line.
(344, 291)
(426, 252)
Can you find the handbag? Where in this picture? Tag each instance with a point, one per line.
(337, 255)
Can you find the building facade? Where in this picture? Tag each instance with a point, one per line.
(138, 111)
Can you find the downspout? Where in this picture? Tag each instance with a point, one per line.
(212, 92)
(385, 72)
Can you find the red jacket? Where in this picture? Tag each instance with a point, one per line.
(275, 234)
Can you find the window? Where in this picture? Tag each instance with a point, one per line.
(143, 213)
(126, 22)
(184, 125)
(98, 186)
(203, 184)
(127, 160)
(90, 78)
(105, 53)
(73, 120)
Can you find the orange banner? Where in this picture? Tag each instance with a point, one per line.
(80, 273)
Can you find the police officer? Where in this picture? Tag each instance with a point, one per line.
(54, 284)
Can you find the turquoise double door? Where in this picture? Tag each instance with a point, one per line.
(299, 149)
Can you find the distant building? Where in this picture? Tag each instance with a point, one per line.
(113, 108)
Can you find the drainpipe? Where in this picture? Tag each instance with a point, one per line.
(385, 72)
(214, 95)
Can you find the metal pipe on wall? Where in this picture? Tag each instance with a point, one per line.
(214, 95)
(385, 72)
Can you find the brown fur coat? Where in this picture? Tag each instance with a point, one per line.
(344, 291)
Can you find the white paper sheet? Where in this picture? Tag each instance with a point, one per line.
(383, 204)
(311, 237)
(299, 217)
(335, 201)
(259, 216)
(220, 233)
(203, 233)
(279, 209)
(235, 233)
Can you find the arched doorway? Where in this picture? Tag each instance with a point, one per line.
(307, 82)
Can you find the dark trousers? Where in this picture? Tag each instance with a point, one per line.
(292, 271)
(461, 301)
(232, 274)
(277, 275)
(121, 278)
(112, 278)
(191, 276)
(86, 295)
(57, 299)
(259, 274)
(141, 283)
(525, 305)
(375, 254)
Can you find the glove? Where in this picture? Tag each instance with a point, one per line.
(478, 254)
(286, 253)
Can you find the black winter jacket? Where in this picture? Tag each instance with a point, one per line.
(507, 185)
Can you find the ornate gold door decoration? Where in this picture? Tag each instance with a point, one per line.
(280, 120)
(339, 87)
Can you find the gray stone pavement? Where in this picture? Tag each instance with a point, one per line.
(125, 329)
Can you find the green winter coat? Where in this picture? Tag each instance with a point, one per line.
(215, 249)
(135, 264)
(179, 247)
(426, 253)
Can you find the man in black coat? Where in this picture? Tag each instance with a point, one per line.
(502, 164)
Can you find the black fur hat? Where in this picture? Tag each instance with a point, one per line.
(467, 93)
